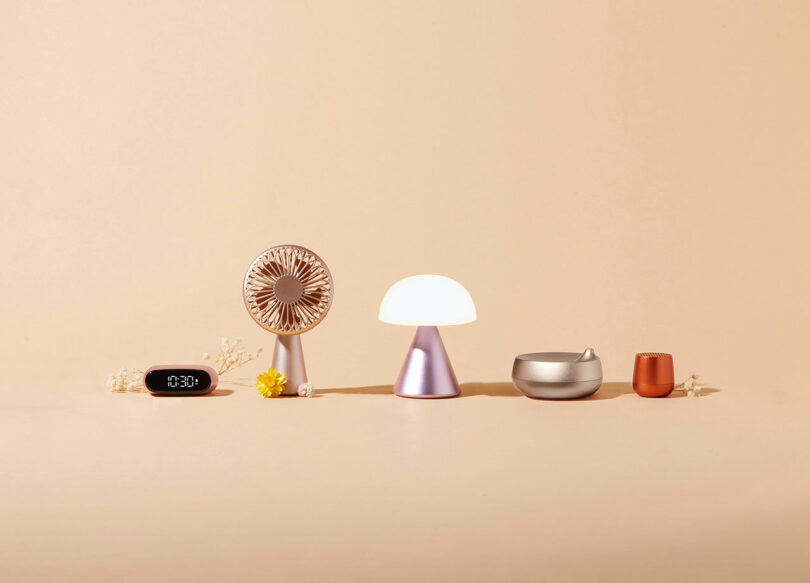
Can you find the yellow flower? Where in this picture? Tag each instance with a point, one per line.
(271, 383)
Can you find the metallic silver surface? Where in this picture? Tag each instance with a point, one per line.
(540, 390)
(427, 372)
(288, 359)
(589, 354)
(558, 367)
(557, 375)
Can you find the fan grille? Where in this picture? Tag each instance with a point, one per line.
(288, 289)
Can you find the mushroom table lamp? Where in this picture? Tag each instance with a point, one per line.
(427, 301)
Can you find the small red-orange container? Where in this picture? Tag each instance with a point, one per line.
(653, 374)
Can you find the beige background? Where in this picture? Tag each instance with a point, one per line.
(627, 176)
(631, 176)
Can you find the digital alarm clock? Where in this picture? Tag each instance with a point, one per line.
(180, 379)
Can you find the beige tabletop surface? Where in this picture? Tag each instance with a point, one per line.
(623, 175)
(356, 484)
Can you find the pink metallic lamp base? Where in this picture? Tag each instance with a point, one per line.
(427, 372)
(288, 359)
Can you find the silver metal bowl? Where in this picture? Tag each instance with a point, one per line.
(557, 375)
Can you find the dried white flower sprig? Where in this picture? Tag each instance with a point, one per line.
(126, 380)
(305, 390)
(232, 355)
(690, 386)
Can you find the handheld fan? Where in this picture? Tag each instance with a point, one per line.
(288, 290)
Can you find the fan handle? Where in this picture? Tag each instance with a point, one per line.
(288, 359)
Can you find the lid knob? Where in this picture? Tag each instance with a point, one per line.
(589, 354)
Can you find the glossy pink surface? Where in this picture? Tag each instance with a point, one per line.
(427, 372)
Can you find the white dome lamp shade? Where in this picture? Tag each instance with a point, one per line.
(427, 301)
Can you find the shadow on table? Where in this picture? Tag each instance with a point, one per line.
(704, 392)
(374, 390)
(609, 390)
(220, 393)
(489, 390)
(503, 389)
(467, 390)
(613, 390)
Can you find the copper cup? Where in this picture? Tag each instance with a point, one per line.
(653, 374)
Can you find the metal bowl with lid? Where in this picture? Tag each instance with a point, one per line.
(557, 375)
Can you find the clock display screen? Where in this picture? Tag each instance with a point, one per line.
(177, 381)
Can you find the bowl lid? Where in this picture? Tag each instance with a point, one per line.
(558, 367)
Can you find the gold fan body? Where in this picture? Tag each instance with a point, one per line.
(288, 290)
